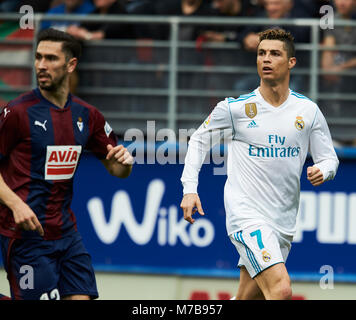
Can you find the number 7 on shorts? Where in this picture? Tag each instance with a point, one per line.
(258, 235)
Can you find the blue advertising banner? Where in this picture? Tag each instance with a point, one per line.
(136, 224)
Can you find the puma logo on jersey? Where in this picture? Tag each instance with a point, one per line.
(43, 125)
(6, 111)
(61, 162)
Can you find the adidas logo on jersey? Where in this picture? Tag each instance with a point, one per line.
(252, 124)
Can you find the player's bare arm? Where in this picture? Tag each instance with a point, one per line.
(24, 217)
(315, 176)
(191, 204)
(118, 161)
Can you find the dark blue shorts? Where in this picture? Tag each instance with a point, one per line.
(43, 269)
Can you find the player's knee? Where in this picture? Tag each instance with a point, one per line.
(282, 290)
(286, 292)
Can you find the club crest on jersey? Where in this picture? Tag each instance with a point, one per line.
(266, 256)
(251, 110)
(61, 162)
(80, 124)
(299, 123)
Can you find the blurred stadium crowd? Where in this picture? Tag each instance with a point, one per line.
(273, 9)
(246, 36)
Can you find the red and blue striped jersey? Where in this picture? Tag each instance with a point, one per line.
(40, 148)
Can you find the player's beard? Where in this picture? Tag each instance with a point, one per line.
(53, 84)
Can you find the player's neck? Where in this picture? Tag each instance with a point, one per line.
(275, 95)
(58, 97)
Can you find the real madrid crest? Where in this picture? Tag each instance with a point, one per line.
(299, 123)
(266, 256)
(251, 110)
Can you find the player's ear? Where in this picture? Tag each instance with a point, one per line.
(292, 62)
(72, 64)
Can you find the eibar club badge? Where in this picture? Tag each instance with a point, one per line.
(251, 110)
(80, 124)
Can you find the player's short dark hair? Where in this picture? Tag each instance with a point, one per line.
(70, 45)
(281, 35)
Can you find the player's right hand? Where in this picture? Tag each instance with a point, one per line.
(191, 204)
(26, 219)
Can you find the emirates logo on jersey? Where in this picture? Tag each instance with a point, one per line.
(61, 162)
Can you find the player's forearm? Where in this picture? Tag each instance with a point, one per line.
(199, 145)
(7, 196)
(193, 163)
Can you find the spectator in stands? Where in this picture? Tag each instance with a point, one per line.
(227, 8)
(40, 6)
(9, 5)
(338, 60)
(68, 7)
(252, 7)
(309, 8)
(183, 8)
(143, 7)
(104, 30)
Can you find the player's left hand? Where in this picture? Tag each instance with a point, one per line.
(119, 154)
(315, 176)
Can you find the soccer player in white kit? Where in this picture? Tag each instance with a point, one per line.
(270, 132)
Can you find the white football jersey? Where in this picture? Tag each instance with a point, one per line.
(267, 148)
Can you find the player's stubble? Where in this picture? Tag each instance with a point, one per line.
(54, 82)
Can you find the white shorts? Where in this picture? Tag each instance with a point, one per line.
(260, 247)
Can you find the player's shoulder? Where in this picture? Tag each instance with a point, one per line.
(302, 98)
(94, 115)
(76, 101)
(304, 103)
(236, 106)
(244, 98)
(24, 100)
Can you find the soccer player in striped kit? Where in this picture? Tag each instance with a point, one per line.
(42, 136)
(270, 132)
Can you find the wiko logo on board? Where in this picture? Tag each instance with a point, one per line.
(170, 224)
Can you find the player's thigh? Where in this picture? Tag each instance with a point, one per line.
(77, 277)
(31, 271)
(248, 287)
(275, 282)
